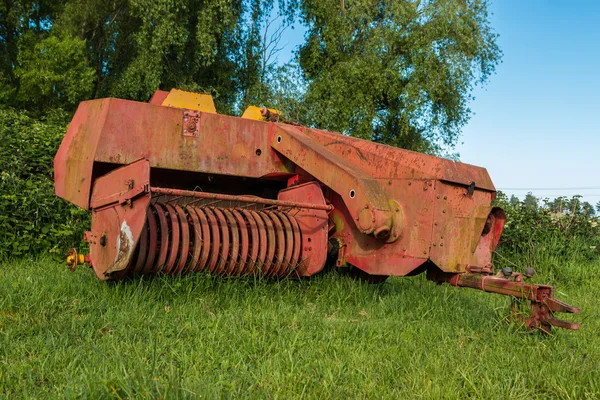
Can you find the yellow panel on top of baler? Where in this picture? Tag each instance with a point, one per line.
(190, 101)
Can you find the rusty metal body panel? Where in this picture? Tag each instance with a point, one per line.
(203, 191)
(120, 131)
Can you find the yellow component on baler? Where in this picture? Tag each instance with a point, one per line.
(74, 259)
(256, 113)
(190, 101)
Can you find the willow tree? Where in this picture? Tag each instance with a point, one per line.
(130, 48)
(396, 71)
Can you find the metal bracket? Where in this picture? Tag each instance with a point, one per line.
(191, 123)
(123, 197)
(122, 185)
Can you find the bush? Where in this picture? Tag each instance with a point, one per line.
(32, 218)
(559, 237)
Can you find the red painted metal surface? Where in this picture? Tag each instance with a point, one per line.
(313, 225)
(541, 297)
(119, 220)
(164, 238)
(158, 97)
(207, 192)
(152, 242)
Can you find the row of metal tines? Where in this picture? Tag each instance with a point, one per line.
(179, 239)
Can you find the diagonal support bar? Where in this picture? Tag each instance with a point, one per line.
(366, 201)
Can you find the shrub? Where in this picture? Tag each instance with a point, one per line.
(557, 240)
(32, 218)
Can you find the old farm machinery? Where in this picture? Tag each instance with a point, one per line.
(174, 188)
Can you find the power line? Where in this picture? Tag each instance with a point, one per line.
(550, 194)
(564, 188)
(554, 195)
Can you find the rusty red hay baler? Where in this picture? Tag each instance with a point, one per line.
(175, 188)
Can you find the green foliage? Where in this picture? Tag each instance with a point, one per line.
(549, 237)
(397, 72)
(32, 218)
(53, 72)
(178, 42)
(574, 205)
(58, 53)
(21, 19)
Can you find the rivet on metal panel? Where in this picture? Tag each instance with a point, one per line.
(443, 211)
(445, 197)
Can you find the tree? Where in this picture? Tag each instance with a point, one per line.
(530, 202)
(587, 209)
(139, 46)
(134, 47)
(21, 19)
(558, 205)
(396, 71)
(53, 72)
(514, 200)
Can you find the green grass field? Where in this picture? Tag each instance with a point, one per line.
(66, 334)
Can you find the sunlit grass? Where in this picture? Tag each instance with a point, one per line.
(68, 335)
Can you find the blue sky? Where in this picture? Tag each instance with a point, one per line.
(535, 123)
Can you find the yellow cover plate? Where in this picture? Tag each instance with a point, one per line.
(190, 101)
